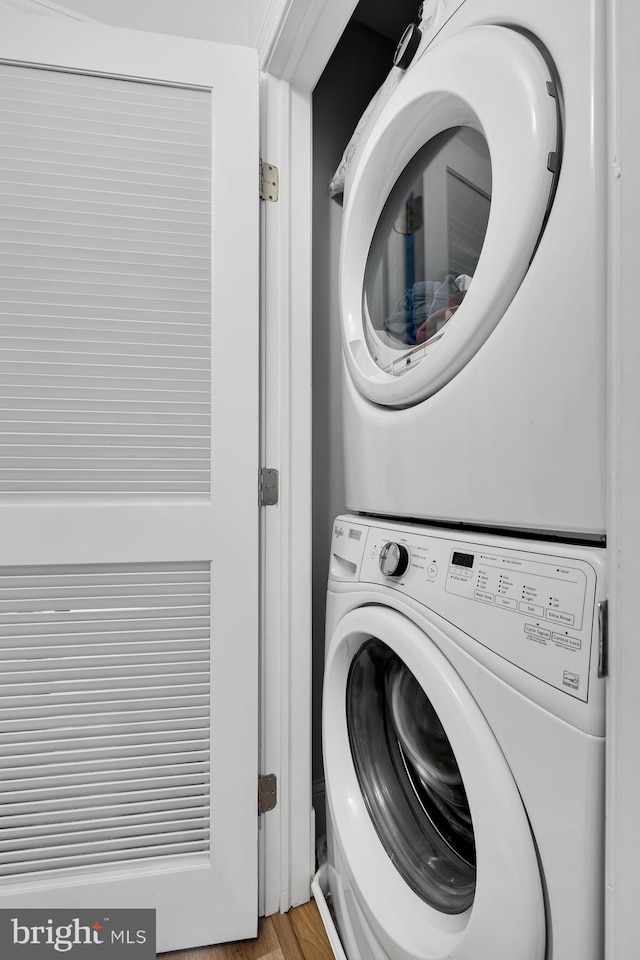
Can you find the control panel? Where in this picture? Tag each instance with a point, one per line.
(550, 590)
(534, 608)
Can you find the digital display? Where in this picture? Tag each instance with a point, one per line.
(354, 534)
(462, 559)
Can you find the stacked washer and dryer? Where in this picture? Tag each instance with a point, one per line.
(463, 708)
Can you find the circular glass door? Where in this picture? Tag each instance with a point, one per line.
(427, 826)
(410, 779)
(446, 206)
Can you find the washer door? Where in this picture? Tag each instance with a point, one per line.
(444, 211)
(424, 809)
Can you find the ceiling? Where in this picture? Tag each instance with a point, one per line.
(200, 19)
(218, 20)
(388, 17)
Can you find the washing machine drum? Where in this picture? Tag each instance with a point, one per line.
(429, 823)
(410, 779)
(444, 210)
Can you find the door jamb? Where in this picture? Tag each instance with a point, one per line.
(294, 45)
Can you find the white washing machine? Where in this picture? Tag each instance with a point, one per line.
(463, 726)
(473, 274)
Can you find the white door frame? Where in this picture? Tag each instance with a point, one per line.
(295, 44)
(623, 424)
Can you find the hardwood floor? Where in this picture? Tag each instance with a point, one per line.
(296, 935)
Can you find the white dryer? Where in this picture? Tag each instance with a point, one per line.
(463, 727)
(472, 274)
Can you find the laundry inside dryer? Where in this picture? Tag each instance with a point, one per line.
(427, 244)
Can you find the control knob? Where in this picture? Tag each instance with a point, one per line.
(394, 559)
(407, 46)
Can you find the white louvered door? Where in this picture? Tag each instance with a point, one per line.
(128, 476)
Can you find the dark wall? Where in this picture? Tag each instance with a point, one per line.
(358, 66)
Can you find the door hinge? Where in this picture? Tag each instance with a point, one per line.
(603, 642)
(269, 182)
(267, 792)
(269, 487)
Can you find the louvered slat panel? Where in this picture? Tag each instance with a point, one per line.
(138, 757)
(97, 856)
(12, 841)
(80, 736)
(38, 815)
(67, 833)
(127, 702)
(105, 287)
(104, 715)
(171, 713)
(82, 790)
(80, 743)
(73, 574)
(158, 803)
(49, 806)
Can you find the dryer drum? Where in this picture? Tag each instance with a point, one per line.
(410, 780)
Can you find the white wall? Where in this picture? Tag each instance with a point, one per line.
(263, 14)
(44, 8)
(623, 722)
(202, 19)
(246, 22)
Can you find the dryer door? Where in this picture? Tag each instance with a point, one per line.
(444, 210)
(428, 820)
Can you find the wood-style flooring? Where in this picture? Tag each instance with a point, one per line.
(296, 935)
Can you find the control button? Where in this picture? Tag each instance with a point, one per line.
(460, 576)
(560, 617)
(573, 643)
(394, 559)
(537, 633)
(506, 602)
(483, 595)
(531, 608)
(432, 570)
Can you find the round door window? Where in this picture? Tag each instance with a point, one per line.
(410, 780)
(426, 245)
(444, 211)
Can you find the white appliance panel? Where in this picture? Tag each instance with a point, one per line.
(500, 422)
(503, 712)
